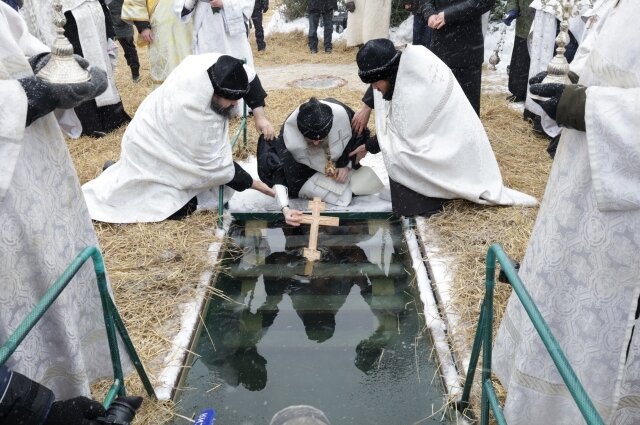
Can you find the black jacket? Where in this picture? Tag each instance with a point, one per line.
(322, 5)
(459, 43)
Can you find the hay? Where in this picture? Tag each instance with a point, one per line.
(155, 267)
(466, 230)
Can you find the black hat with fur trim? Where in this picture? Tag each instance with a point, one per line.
(314, 119)
(228, 77)
(377, 60)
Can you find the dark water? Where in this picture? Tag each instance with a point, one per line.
(346, 339)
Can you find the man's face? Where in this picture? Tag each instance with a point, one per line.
(222, 106)
(314, 142)
(382, 86)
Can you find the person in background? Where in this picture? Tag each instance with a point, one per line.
(421, 31)
(321, 9)
(520, 60)
(124, 36)
(260, 7)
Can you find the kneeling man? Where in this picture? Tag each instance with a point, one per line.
(177, 145)
(432, 141)
(311, 158)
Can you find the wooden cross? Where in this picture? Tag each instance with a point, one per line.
(315, 220)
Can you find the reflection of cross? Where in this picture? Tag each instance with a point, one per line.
(311, 253)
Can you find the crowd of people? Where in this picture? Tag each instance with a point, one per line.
(579, 265)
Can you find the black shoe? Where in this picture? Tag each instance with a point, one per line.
(97, 134)
(108, 163)
(135, 74)
(514, 99)
(328, 49)
(314, 50)
(261, 47)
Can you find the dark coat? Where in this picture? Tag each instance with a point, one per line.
(123, 29)
(460, 42)
(322, 5)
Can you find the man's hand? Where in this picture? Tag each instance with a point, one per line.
(563, 103)
(436, 21)
(260, 186)
(341, 174)
(76, 411)
(147, 35)
(263, 125)
(359, 152)
(360, 119)
(216, 3)
(292, 217)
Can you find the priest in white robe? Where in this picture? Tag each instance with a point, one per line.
(367, 20)
(88, 28)
(581, 265)
(219, 26)
(177, 148)
(312, 158)
(45, 224)
(433, 143)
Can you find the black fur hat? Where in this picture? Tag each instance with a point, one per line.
(377, 60)
(228, 77)
(314, 119)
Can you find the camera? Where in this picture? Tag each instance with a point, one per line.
(122, 411)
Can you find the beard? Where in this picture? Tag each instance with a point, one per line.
(218, 109)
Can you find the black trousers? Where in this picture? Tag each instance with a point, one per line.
(130, 52)
(421, 32)
(407, 202)
(519, 69)
(327, 21)
(256, 18)
(470, 79)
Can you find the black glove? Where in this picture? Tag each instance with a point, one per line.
(573, 77)
(350, 6)
(565, 103)
(265, 6)
(76, 411)
(40, 98)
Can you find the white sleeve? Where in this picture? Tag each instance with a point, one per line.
(179, 5)
(612, 118)
(13, 116)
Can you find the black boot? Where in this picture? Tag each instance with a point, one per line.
(135, 74)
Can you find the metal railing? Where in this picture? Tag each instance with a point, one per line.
(483, 340)
(112, 321)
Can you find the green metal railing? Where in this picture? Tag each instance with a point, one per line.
(483, 340)
(112, 322)
(242, 129)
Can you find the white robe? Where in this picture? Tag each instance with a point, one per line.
(581, 265)
(175, 147)
(315, 158)
(431, 139)
(369, 20)
(45, 224)
(223, 32)
(542, 48)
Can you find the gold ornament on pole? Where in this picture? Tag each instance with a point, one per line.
(62, 67)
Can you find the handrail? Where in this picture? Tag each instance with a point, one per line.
(112, 322)
(483, 339)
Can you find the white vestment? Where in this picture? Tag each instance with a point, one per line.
(175, 147)
(432, 140)
(315, 157)
(542, 48)
(45, 224)
(222, 32)
(369, 20)
(581, 266)
(171, 37)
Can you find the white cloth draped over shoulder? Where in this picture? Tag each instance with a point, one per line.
(369, 20)
(315, 157)
(581, 265)
(45, 224)
(222, 32)
(431, 139)
(175, 148)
